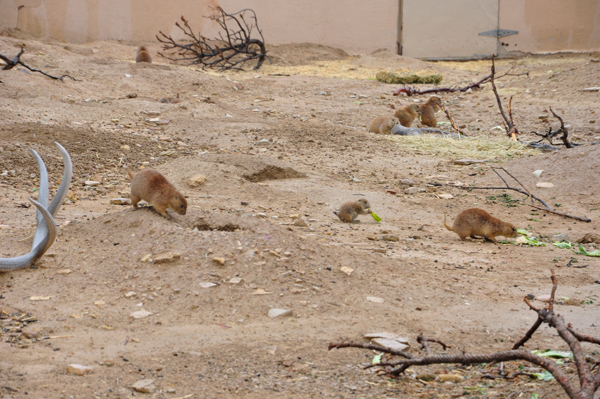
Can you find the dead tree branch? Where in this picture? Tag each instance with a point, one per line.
(16, 60)
(546, 208)
(510, 127)
(551, 134)
(450, 118)
(411, 91)
(231, 50)
(583, 389)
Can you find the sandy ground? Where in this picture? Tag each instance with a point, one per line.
(276, 146)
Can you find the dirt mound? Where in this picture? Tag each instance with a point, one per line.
(303, 53)
(272, 172)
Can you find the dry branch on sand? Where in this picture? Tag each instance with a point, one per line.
(546, 208)
(588, 383)
(231, 51)
(16, 60)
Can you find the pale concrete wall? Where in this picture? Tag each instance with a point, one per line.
(551, 25)
(449, 29)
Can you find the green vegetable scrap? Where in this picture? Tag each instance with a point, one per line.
(523, 232)
(554, 354)
(583, 251)
(533, 242)
(377, 218)
(544, 376)
(405, 78)
(563, 245)
(377, 359)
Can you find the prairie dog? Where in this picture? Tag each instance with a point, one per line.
(350, 210)
(382, 124)
(149, 185)
(169, 100)
(407, 114)
(428, 111)
(143, 55)
(477, 222)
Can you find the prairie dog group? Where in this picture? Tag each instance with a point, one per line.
(143, 55)
(149, 185)
(349, 211)
(382, 124)
(477, 222)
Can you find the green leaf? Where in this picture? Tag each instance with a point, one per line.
(377, 218)
(544, 376)
(377, 359)
(534, 396)
(555, 354)
(562, 245)
(523, 232)
(533, 241)
(583, 251)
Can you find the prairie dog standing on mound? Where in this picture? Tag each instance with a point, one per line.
(149, 185)
(143, 55)
(382, 124)
(407, 114)
(477, 222)
(428, 111)
(349, 211)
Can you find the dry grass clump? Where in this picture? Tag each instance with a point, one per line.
(465, 147)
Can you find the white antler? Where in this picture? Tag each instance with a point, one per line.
(45, 232)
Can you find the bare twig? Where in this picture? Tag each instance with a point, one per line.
(411, 91)
(588, 382)
(16, 60)
(508, 124)
(526, 192)
(450, 118)
(521, 184)
(234, 47)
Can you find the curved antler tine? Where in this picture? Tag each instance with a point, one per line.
(61, 194)
(42, 199)
(48, 233)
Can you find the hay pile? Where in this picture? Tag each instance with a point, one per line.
(465, 147)
(408, 78)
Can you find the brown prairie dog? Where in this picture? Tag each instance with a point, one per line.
(143, 55)
(149, 185)
(349, 211)
(477, 222)
(428, 111)
(407, 114)
(382, 124)
(169, 100)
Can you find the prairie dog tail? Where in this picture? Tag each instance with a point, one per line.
(448, 227)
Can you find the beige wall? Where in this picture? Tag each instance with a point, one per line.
(354, 25)
(551, 25)
(448, 29)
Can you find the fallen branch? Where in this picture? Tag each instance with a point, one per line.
(546, 208)
(551, 134)
(411, 91)
(451, 120)
(16, 60)
(588, 382)
(508, 123)
(231, 51)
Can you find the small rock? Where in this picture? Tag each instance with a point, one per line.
(220, 261)
(140, 314)
(467, 161)
(560, 237)
(446, 196)
(130, 294)
(407, 182)
(544, 185)
(271, 350)
(196, 180)
(263, 142)
(537, 173)
(171, 390)
(589, 238)
(144, 386)
(280, 313)
(346, 270)
(260, 291)
(449, 377)
(99, 303)
(166, 257)
(120, 201)
(411, 190)
(236, 280)
(245, 203)
(78, 369)
(64, 271)
(92, 183)
(391, 238)
(300, 223)
(132, 95)
(146, 258)
(390, 343)
(125, 147)
(375, 299)
(206, 284)
(169, 153)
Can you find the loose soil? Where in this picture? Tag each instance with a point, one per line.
(279, 145)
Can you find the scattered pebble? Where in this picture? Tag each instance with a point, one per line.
(236, 280)
(206, 284)
(166, 257)
(220, 261)
(196, 180)
(140, 314)
(346, 270)
(537, 173)
(144, 386)
(280, 313)
(391, 238)
(544, 185)
(78, 369)
(120, 201)
(375, 299)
